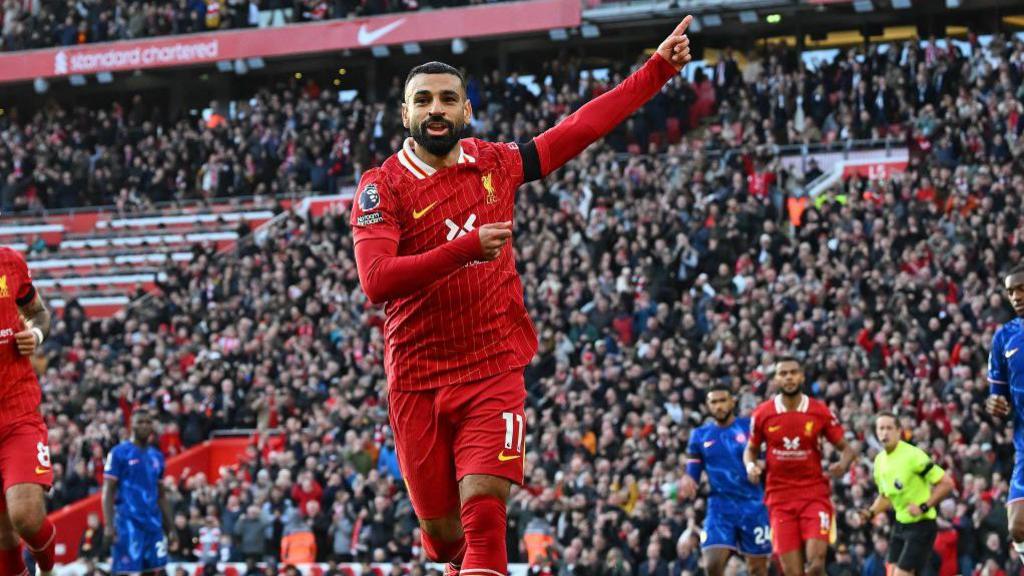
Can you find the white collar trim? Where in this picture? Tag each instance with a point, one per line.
(804, 403)
(420, 169)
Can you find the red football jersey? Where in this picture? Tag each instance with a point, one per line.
(793, 441)
(472, 323)
(19, 388)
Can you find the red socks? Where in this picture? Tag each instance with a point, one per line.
(43, 544)
(438, 550)
(483, 521)
(11, 562)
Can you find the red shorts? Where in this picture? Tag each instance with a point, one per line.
(797, 521)
(444, 434)
(24, 454)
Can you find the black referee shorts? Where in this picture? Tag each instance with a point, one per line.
(910, 546)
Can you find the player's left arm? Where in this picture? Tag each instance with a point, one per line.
(165, 511)
(836, 436)
(554, 147)
(753, 450)
(941, 481)
(33, 312)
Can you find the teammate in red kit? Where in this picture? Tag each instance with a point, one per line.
(24, 453)
(797, 493)
(432, 228)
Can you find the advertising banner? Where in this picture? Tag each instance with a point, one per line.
(207, 48)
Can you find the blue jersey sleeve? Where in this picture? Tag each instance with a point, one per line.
(695, 455)
(744, 424)
(114, 464)
(998, 371)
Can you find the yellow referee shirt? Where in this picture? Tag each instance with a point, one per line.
(905, 476)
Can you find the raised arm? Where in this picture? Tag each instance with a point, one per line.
(556, 146)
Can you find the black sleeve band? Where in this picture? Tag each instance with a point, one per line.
(531, 162)
(924, 472)
(29, 296)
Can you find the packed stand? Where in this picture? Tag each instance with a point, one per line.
(649, 278)
(297, 137)
(29, 24)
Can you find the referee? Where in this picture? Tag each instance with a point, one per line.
(911, 484)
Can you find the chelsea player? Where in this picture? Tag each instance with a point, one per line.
(136, 513)
(1006, 393)
(737, 519)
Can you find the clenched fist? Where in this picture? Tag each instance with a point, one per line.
(27, 342)
(493, 238)
(997, 405)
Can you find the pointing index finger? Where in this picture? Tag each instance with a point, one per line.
(682, 26)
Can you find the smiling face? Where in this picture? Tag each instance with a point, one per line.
(436, 111)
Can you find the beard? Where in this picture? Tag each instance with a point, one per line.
(437, 145)
(795, 392)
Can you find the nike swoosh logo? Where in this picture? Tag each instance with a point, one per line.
(773, 428)
(367, 36)
(502, 457)
(1011, 352)
(709, 443)
(40, 470)
(417, 214)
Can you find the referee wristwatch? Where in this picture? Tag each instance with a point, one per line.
(925, 508)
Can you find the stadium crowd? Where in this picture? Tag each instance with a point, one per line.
(29, 24)
(288, 138)
(649, 277)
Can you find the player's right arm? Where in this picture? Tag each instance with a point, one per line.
(998, 403)
(753, 450)
(881, 504)
(383, 274)
(110, 477)
(694, 466)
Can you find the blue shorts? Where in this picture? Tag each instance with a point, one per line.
(738, 525)
(1017, 479)
(137, 549)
